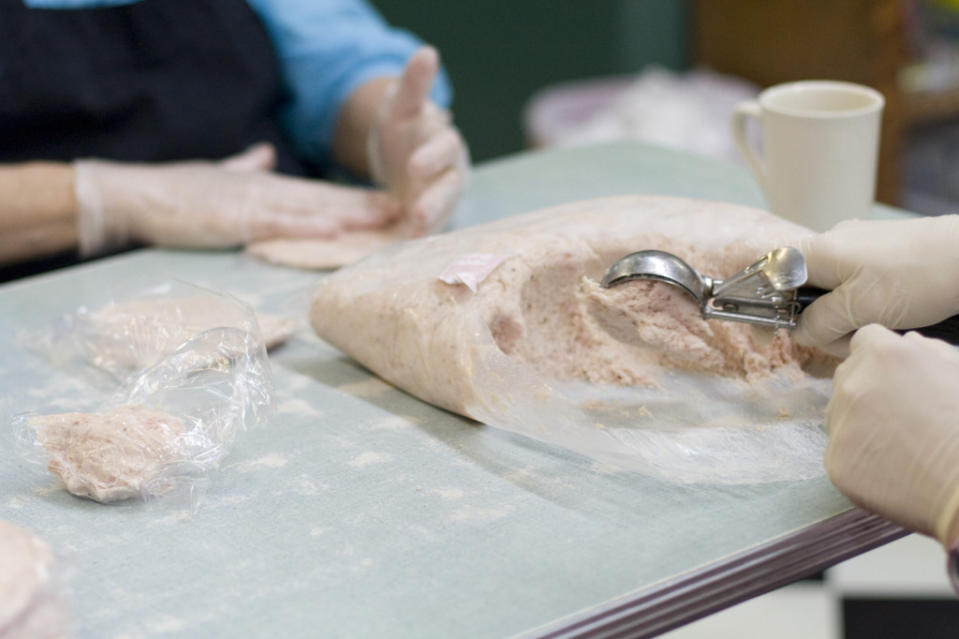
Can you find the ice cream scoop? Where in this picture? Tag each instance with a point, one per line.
(768, 292)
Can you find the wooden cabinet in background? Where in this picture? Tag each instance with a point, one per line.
(774, 41)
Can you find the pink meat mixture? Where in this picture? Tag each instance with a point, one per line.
(571, 328)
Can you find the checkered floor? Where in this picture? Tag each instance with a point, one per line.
(898, 591)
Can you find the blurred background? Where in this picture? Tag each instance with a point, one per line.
(540, 72)
(499, 53)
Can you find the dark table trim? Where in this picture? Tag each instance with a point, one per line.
(676, 602)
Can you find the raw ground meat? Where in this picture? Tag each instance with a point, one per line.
(321, 254)
(662, 325)
(112, 456)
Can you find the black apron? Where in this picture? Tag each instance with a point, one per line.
(152, 81)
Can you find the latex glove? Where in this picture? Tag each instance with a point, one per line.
(413, 149)
(893, 424)
(214, 205)
(901, 274)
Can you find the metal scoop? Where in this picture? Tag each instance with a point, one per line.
(769, 292)
(765, 293)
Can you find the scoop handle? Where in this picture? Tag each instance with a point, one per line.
(806, 295)
(946, 330)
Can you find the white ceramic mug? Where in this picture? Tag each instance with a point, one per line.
(820, 143)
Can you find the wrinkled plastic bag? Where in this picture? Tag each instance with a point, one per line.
(167, 425)
(447, 345)
(127, 334)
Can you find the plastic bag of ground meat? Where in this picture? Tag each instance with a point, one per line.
(506, 323)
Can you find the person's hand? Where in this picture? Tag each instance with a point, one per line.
(893, 424)
(214, 204)
(901, 274)
(413, 149)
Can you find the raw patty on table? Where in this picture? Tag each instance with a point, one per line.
(112, 456)
(323, 254)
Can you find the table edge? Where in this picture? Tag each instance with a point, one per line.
(680, 600)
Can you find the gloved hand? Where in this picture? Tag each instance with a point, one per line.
(901, 274)
(413, 149)
(893, 424)
(214, 205)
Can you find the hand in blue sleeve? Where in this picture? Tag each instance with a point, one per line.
(327, 49)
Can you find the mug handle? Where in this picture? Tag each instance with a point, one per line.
(743, 111)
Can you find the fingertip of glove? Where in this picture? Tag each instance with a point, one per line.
(838, 348)
(427, 55)
(807, 337)
(869, 333)
(420, 215)
(383, 208)
(257, 157)
(800, 334)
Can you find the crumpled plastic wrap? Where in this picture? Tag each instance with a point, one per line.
(123, 336)
(449, 346)
(168, 424)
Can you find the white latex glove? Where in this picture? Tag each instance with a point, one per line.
(214, 204)
(901, 274)
(414, 150)
(893, 424)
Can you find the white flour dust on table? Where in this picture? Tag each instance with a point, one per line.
(632, 375)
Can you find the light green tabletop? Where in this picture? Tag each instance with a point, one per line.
(362, 511)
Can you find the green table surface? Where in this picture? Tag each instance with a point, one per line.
(362, 511)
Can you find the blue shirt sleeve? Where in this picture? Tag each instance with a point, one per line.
(326, 49)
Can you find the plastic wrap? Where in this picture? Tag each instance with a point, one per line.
(460, 350)
(126, 335)
(168, 424)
